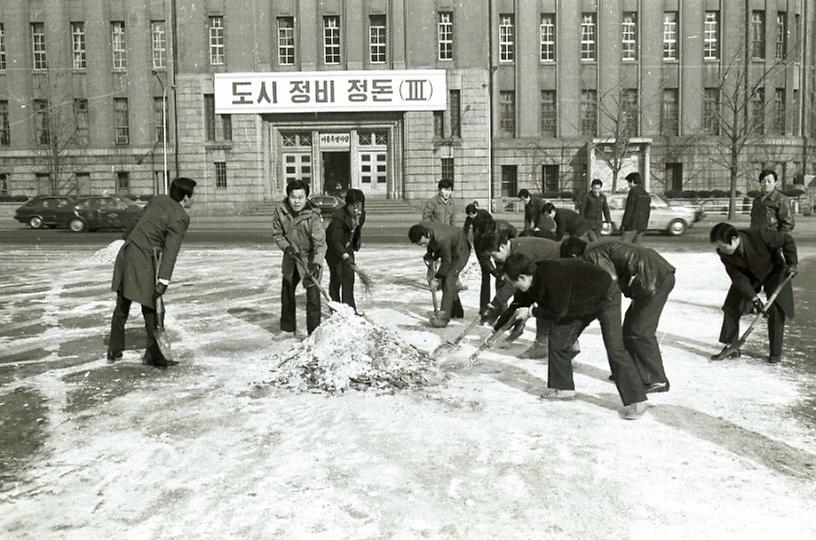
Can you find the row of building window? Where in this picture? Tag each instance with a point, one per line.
(629, 36)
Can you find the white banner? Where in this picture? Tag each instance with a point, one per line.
(330, 91)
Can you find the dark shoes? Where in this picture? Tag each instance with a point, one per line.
(114, 356)
(726, 353)
(656, 387)
(774, 359)
(159, 363)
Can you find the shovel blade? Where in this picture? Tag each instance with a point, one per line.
(163, 341)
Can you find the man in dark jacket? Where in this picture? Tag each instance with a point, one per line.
(567, 222)
(645, 277)
(343, 238)
(755, 259)
(635, 219)
(771, 209)
(297, 229)
(440, 208)
(162, 226)
(571, 294)
(478, 224)
(536, 222)
(449, 245)
(594, 208)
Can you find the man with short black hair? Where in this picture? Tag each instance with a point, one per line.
(161, 227)
(753, 262)
(594, 208)
(478, 224)
(440, 207)
(635, 219)
(297, 229)
(771, 209)
(567, 222)
(536, 221)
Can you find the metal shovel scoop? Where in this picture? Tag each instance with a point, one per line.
(162, 339)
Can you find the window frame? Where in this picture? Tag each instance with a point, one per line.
(2, 47)
(507, 113)
(781, 46)
(5, 125)
(455, 107)
(216, 40)
(780, 111)
(377, 39)
(286, 40)
(589, 97)
(448, 168)
(444, 36)
(758, 29)
(711, 36)
(671, 49)
(548, 122)
(39, 56)
(121, 121)
(82, 121)
(758, 122)
(629, 37)
(42, 129)
(588, 37)
(331, 40)
(670, 113)
(220, 175)
(546, 39)
(630, 113)
(79, 52)
(158, 117)
(118, 36)
(711, 111)
(507, 38)
(158, 44)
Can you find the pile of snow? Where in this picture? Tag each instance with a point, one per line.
(349, 351)
(107, 255)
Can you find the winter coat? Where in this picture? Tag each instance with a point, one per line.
(567, 290)
(535, 218)
(439, 211)
(773, 211)
(162, 225)
(303, 231)
(449, 244)
(343, 235)
(536, 249)
(757, 259)
(569, 223)
(638, 209)
(594, 209)
(639, 271)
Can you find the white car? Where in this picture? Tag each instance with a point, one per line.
(672, 219)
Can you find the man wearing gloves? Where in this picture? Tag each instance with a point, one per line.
(297, 229)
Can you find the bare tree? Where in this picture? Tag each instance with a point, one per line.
(57, 130)
(619, 109)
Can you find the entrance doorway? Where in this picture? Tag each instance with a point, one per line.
(336, 172)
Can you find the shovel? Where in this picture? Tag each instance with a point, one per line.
(302, 267)
(431, 272)
(744, 337)
(491, 340)
(162, 339)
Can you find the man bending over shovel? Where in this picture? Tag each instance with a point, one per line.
(162, 227)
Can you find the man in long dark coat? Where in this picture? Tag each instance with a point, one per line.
(755, 259)
(635, 219)
(478, 224)
(162, 226)
(447, 244)
(343, 238)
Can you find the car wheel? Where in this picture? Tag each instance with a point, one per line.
(677, 227)
(35, 222)
(77, 225)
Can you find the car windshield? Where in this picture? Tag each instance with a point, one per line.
(658, 201)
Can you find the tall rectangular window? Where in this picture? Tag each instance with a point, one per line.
(546, 38)
(5, 133)
(376, 39)
(78, 52)
(38, 47)
(509, 179)
(711, 111)
(588, 36)
(455, 106)
(779, 111)
(119, 45)
(216, 34)
(781, 34)
(209, 117)
(758, 111)
(439, 124)
(549, 178)
(226, 126)
(507, 113)
(41, 122)
(81, 121)
(758, 35)
(121, 121)
(671, 113)
(549, 122)
(220, 175)
(158, 44)
(795, 115)
(670, 36)
(629, 43)
(158, 117)
(507, 38)
(444, 35)
(2, 48)
(711, 36)
(286, 41)
(4, 189)
(589, 112)
(447, 169)
(629, 116)
(122, 183)
(331, 39)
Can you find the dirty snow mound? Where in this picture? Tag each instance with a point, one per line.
(348, 351)
(107, 255)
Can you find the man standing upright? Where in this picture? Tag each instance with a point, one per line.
(297, 228)
(635, 219)
(440, 208)
(161, 227)
(594, 208)
(771, 209)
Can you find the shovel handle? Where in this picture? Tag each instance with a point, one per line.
(744, 337)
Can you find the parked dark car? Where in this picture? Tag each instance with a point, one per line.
(113, 212)
(46, 211)
(327, 204)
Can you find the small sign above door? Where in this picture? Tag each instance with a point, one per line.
(335, 141)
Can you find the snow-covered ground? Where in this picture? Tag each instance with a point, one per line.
(213, 448)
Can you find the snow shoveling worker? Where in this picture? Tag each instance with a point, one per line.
(755, 258)
(645, 277)
(297, 228)
(162, 226)
(570, 294)
(447, 244)
(499, 246)
(440, 208)
(567, 222)
(343, 238)
(536, 221)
